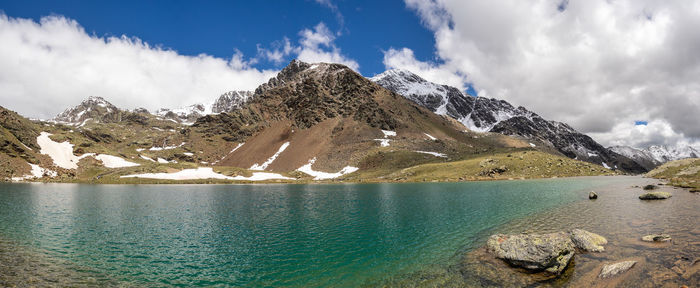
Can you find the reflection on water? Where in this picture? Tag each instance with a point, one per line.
(282, 235)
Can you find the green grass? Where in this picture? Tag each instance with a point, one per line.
(681, 173)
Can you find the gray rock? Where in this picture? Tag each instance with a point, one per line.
(549, 252)
(592, 195)
(655, 196)
(588, 241)
(657, 238)
(610, 270)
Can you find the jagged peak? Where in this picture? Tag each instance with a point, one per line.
(297, 70)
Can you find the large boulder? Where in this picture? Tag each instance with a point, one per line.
(592, 195)
(588, 241)
(655, 196)
(549, 252)
(610, 270)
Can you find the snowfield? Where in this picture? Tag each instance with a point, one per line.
(110, 161)
(383, 142)
(60, 153)
(186, 174)
(269, 161)
(388, 133)
(260, 176)
(318, 175)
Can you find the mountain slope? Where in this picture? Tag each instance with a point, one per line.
(332, 114)
(93, 108)
(491, 115)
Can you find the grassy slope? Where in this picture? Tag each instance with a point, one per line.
(681, 173)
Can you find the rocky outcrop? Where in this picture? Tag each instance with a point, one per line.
(548, 252)
(231, 101)
(657, 238)
(655, 196)
(610, 270)
(588, 241)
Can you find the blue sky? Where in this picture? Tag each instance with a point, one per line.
(363, 30)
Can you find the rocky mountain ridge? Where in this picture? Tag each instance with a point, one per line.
(482, 114)
(656, 155)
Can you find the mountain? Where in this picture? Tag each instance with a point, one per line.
(656, 155)
(329, 113)
(186, 114)
(93, 108)
(492, 115)
(230, 101)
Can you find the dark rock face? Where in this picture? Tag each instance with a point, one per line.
(491, 115)
(548, 252)
(95, 108)
(230, 101)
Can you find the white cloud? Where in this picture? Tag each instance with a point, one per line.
(642, 136)
(51, 65)
(593, 64)
(315, 45)
(404, 59)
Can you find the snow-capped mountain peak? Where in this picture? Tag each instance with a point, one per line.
(94, 107)
(230, 101)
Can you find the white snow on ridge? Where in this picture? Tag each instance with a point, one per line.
(436, 154)
(318, 175)
(606, 165)
(430, 136)
(110, 161)
(388, 133)
(186, 174)
(60, 153)
(269, 161)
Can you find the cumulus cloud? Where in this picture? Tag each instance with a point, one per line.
(657, 132)
(53, 64)
(593, 64)
(315, 45)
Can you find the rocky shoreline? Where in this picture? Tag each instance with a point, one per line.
(632, 243)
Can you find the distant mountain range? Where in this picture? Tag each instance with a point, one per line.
(656, 155)
(492, 115)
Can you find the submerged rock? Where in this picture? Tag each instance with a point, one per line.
(657, 238)
(550, 252)
(610, 270)
(588, 241)
(592, 195)
(655, 196)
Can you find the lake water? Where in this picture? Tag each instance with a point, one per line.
(260, 235)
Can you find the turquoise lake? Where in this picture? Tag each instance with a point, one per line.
(268, 235)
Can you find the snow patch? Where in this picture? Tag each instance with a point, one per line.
(269, 161)
(188, 153)
(318, 175)
(532, 145)
(60, 153)
(147, 158)
(166, 147)
(162, 161)
(110, 161)
(186, 174)
(388, 133)
(383, 142)
(606, 165)
(436, 154)
(259, 176)
(36, 172)
(430, 136)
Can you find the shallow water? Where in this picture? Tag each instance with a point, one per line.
(282, 235)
